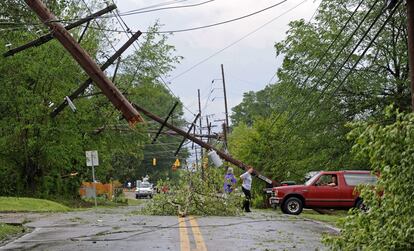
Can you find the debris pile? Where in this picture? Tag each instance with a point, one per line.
(193, 195)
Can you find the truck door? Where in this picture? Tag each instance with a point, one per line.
(325, 192)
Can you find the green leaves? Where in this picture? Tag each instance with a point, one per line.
(39, 152)
(390, 149)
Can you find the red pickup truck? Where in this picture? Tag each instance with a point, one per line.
(326, 189)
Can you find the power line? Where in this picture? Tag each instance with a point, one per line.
(200, 27)
(313, 88)
(237, 41)
(362, 54)
(157, 5)
(326, 53)
(127, 31)
(165, 8)
(383, 9)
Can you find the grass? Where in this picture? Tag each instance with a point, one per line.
(132, 202)
(331, 218)
(7, 231)
(21, 204)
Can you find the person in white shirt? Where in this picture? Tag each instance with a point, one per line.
(246, 187)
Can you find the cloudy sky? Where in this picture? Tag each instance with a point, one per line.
(249, 64)
(244, 47)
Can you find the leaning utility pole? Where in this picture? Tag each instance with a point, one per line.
(410, 30)
(86, 62)
(225, 99)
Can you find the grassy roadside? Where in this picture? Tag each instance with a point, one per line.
(21, 204)
(331, 217)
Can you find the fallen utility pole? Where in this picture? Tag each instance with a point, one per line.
(86, 62)
(202, 143)
(88, 82)
(46, 38)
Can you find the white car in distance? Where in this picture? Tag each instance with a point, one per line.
(144, 189)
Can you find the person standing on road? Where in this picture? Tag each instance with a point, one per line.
(229, 181)
(246, 187)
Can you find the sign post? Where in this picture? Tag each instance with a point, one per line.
(92, 160)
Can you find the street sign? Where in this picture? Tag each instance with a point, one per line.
(92, 158)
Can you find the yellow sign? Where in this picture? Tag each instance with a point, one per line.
(177, 163)
(154, 161)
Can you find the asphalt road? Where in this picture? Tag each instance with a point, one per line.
(123, 229)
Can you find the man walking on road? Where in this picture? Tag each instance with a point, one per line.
(246, 187)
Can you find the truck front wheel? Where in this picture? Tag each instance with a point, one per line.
(292, 205)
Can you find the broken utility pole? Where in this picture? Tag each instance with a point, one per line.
(46, 38)
(86, 62)
(202, 144)
(88, 82)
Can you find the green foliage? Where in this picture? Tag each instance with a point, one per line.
(389, 223)
(298, 124)
(193, 196)
(38, 153)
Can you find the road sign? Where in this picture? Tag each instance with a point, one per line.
(92, 158)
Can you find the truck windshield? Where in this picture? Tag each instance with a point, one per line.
(145, 185)
(311, 180)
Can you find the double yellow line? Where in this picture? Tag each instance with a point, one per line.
(184, 237)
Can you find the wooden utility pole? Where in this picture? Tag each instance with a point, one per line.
(225, 99)
(201, 132)
(410, 30)
(86, 62)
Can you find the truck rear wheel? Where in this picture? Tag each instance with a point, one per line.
(292, 205)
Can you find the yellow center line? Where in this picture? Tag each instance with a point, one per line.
(184, 241)
(200, 245)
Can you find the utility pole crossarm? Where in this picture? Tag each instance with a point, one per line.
(88, 82)
(186, 135)
(163, 124)
(46, 38)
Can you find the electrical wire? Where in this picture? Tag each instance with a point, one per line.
(192, 28)
(127, 31)
(236, 41)
(165, 8)
(204, 26)
(359, 58)
(326, 52)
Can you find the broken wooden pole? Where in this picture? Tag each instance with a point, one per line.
(86, 62)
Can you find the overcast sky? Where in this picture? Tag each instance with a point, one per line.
(249, 64)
